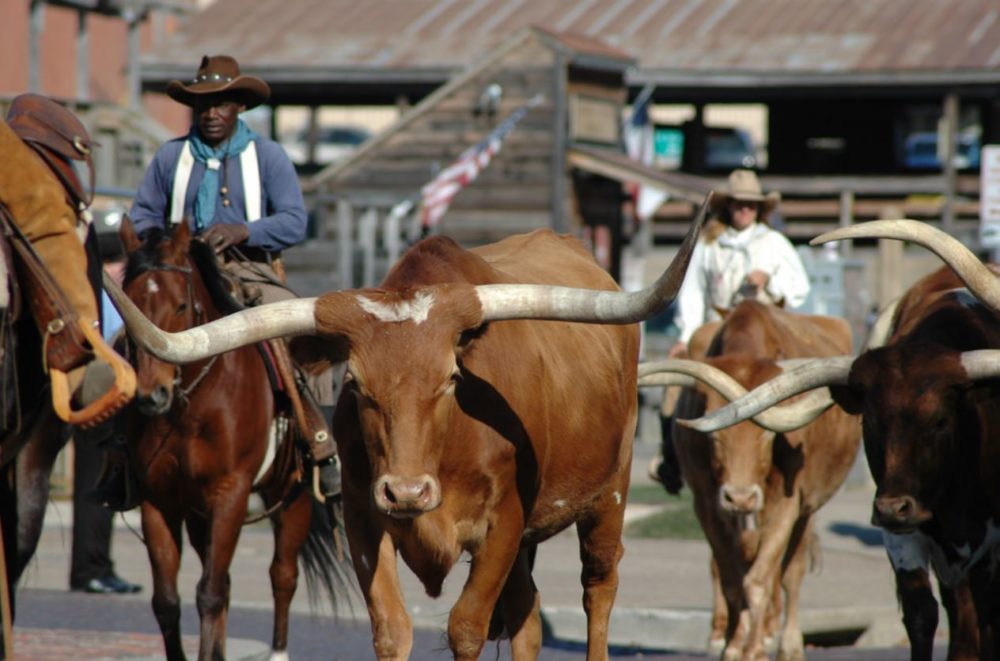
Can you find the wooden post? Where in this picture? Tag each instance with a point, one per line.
(946, 147)
(846, 219)
(391, 237)
(366, 237)
(36, 25)
(312, 134)
(559, 117)
(134, 67)
(890, 264)
(345, 244)
(82, 57)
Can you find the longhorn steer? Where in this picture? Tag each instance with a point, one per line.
(461, 432)
(755, 490)
(928, 399)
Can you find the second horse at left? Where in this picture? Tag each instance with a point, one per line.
(198, 438)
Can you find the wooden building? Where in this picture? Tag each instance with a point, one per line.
(574, 93)
(845, 83)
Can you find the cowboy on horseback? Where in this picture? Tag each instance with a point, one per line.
(240, 194)
(43, 206)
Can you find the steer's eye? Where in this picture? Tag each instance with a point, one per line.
(182, 308)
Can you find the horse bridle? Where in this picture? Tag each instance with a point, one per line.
(181, 392)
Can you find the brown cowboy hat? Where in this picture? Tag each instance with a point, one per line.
(743, 185)
(218, 74)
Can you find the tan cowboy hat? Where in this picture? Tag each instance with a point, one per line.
(744, 185)
(217, 74)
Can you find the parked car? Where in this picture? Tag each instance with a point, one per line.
(921, 151)
(332, 143)
(728, 149)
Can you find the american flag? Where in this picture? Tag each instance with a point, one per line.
(437, 195)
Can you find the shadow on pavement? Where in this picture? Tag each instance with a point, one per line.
(867, 535)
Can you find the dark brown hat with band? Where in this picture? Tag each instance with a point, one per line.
(218, 74)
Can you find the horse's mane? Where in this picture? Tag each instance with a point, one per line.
(148, 257)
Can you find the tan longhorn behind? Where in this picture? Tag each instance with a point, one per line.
(755, 490)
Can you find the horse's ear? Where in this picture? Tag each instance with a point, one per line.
(126, 232)
(181, 239)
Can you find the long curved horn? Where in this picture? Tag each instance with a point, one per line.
(265, 322)
(667, 379)
(778, 419)
(572, 304)
(981, 364)
(817, 373)
(979, 279)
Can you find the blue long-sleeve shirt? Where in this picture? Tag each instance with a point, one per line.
(283, 213)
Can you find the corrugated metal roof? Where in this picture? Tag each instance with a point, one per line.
(701, 42)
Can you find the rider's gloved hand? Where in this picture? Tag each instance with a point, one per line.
(223, 235)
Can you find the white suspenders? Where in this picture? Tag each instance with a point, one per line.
(251, 182)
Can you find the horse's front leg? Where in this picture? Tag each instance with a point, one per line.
(42, 442)
(215, 540)
(291, 527)
(163, 544)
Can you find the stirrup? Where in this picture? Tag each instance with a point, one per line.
(113, 400)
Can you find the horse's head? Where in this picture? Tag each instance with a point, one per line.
(163, 281)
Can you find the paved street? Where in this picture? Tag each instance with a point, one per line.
(662, 604)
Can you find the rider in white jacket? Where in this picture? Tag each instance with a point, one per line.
(744, 259)
(737, 256)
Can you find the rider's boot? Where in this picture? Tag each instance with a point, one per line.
(116, 488)
(666, 469)
(312, 425)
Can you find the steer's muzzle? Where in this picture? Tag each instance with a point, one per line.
(898, 513)
(156, 402)
(406, 497)
(741, 500)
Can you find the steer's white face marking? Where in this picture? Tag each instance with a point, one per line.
(151, 286)
(415, 310)
(559, 503)
(618, 498)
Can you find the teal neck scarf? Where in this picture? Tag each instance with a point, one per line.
(213, 158)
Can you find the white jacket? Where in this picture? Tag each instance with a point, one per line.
(718, 269)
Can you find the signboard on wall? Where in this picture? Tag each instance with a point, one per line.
(989, 199)
(593, 119)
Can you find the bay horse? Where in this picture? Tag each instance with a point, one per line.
(197, 438)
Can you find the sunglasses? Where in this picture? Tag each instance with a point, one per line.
(742, 204)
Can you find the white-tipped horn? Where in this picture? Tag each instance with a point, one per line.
(979, 279)
(587, 305)
(281, 319)
(981, 364)
(778, 419)
(814, 374)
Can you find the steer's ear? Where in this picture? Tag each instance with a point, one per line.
(318, 354)
(852, 401)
